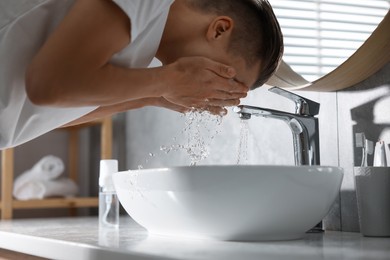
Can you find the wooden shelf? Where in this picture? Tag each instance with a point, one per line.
(76, 202)
(8, 203)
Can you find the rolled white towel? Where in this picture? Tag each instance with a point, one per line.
(48, 168)
(39, 189)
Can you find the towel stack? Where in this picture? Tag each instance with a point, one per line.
(44, 180)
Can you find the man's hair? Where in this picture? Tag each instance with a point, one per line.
(256, 35)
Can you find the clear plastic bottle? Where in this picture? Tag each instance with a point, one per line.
(108, 200)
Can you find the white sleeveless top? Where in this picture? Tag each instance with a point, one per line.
(24, 27)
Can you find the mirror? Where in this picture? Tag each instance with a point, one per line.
(324, 37)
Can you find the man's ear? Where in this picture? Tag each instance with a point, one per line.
(220, 27)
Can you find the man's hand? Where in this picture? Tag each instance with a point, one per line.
(198, 82)
(162, 102)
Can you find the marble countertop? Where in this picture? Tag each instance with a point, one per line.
(80, 238)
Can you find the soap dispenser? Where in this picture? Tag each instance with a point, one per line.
(108, 200)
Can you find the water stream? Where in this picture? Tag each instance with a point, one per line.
(242, 155)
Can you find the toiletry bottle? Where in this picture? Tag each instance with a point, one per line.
(108, 200)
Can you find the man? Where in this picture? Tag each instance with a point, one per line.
(67, 62)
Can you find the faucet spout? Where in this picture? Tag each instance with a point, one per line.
(304, 130)
(246, 112)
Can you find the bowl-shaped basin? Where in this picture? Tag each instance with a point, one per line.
(238, 202)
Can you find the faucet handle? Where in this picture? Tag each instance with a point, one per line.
(303, 106)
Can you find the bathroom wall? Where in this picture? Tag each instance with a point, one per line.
(363, 107)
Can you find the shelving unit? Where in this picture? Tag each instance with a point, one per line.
(8, 204)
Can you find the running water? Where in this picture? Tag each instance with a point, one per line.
(140, 166)
(195, 139)
(242, 157)
(199, 131)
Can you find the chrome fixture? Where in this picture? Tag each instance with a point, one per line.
(303, 124)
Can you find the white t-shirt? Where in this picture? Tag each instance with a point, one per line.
(24, 27)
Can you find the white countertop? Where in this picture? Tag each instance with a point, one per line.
(80, 238)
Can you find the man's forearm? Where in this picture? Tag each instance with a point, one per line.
(105, 111)
(106, 86)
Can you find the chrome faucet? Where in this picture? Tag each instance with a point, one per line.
(303, 124)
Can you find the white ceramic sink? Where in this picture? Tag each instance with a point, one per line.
(238, 202)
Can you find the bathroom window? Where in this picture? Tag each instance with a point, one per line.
(320, 35)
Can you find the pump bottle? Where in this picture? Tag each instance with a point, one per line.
(108, 200)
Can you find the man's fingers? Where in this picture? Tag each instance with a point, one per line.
(236, 87)
(222, 103)
(218, 111)
(229, 86)
(220, 69)
(202, 82)
(228, 95)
